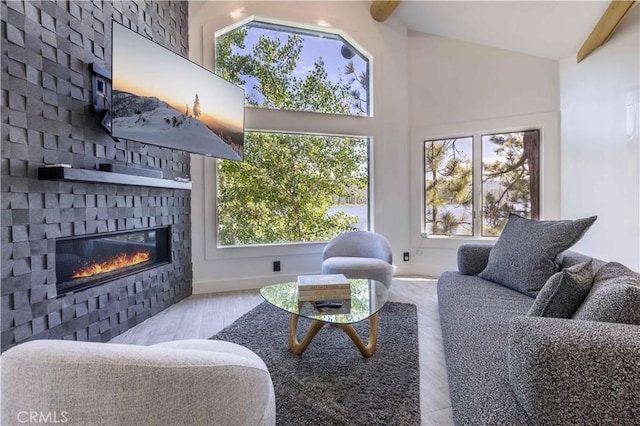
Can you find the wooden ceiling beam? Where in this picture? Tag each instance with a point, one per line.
(606, 26)
(382, 9)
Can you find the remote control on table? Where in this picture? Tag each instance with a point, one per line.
(327, 304)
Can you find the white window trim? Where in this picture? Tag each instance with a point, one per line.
(549, 126)
(286, 121)
(280, 121)
(474, 155)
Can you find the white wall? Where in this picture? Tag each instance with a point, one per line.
(220, 269)
(600, 144)
(457, 88)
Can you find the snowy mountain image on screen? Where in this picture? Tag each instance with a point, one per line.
(143, 118)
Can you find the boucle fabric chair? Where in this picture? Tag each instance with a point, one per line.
(359, 254)
(185, 382)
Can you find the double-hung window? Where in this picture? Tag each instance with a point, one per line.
(472, 183)
(294, 186)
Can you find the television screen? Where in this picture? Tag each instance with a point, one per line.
(160, 98)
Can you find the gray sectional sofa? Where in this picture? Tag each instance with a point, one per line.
(507, 368)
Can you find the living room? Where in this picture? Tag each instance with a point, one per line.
(470, 71)
(425, 86)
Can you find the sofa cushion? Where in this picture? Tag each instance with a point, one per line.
(524, 256)
(564, 292)
(614, 296)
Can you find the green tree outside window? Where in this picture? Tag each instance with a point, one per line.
(510, 178)
(285, 187)
(510, 183)
(448, 189)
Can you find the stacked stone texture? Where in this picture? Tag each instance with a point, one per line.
(47, 49)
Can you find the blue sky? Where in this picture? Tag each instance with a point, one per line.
(314, 46)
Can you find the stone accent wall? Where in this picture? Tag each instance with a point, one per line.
(47, 48)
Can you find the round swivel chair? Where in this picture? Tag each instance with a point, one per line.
(359, 254)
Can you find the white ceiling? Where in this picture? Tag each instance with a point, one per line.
(549, 29)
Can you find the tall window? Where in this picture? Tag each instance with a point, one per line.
(448, 189)
(294, 187)
(465, 196)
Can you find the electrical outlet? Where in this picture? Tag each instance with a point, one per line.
(405, 256)
(276, 266)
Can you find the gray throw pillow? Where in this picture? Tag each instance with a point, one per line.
(614, 296)
(564, 292)
(524, 256)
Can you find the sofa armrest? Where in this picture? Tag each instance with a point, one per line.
(473, 258)
(565, 371)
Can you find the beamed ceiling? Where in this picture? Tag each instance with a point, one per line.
(550, 29)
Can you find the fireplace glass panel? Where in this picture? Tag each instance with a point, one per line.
(83, 262)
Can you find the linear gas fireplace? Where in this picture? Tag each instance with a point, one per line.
(83, 262)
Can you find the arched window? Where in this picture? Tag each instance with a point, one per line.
(294, 186)
(292, 68)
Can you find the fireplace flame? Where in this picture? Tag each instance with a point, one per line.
(119, 262)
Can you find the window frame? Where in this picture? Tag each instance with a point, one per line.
(367, 141)
(533, 214)
(424, 232)
(286, 121)
(477, 184)
(548, 124)
(207, 166)
(308, 28)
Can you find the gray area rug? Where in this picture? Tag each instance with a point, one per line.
(331, 383)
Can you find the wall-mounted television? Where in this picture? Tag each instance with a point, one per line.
(160, 98)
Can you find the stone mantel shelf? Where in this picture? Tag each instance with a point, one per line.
(69, 174)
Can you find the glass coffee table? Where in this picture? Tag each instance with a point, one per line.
(367, 298)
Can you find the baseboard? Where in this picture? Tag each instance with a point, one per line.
(431, 270)
(250, 283)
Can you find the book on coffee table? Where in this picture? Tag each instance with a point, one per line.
(336, 295)
(323, 282)
(323, 287)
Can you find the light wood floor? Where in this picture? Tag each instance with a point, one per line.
(201, 316)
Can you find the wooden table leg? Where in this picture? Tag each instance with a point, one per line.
(366, 350)
(370, 348)
(299, 347)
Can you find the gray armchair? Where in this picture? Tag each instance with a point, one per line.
(186, 382)
(359, 254)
